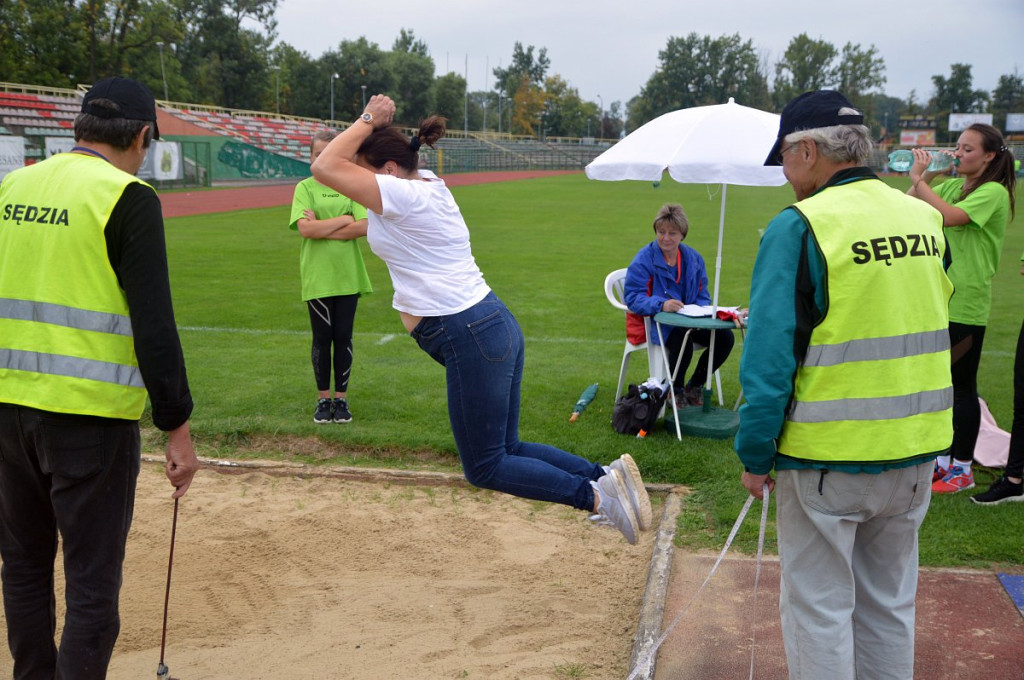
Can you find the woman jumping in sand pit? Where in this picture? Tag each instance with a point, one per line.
(416, 227)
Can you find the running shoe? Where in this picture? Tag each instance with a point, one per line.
(641, 502)
(939, 472)
(955, 480)
(341, 412)
(322, 414)
(1001, 491)
(614, 508)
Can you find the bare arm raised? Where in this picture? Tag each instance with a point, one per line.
(337, 166)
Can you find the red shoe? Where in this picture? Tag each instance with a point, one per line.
(955, 480)
(939, 472)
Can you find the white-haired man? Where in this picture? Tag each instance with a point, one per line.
(849, 399)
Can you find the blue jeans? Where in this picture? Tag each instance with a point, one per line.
(482, 351)
(75, 475)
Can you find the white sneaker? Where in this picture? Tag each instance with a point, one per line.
(614, 508)
(638, 497)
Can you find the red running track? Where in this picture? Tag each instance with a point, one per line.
(185, 203)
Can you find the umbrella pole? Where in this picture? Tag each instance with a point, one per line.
(714, 299)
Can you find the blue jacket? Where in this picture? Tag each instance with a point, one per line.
(650, 281)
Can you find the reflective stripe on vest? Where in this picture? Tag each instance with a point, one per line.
(876, 408)
(62, 315)
(73, 367)
(66, 342)
(874, 349)
(874, 385)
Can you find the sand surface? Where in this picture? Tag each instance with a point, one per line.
(297, 576)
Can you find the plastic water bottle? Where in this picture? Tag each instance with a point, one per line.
(901, 160)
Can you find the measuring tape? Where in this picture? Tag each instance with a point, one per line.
(643, 664)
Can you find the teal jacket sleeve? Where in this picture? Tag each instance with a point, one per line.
(786, 298)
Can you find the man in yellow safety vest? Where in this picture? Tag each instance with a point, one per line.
(845, 370)
(87, 331)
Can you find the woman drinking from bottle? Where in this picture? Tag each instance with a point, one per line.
(976, 206)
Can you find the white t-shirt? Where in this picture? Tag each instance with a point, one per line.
(424, 241)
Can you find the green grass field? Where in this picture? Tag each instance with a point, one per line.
(545, 247)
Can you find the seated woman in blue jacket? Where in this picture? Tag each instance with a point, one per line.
(664, 276)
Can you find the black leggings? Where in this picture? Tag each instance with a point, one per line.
(724, 341)
(965, 348)
(332, 319)
(1015, 463)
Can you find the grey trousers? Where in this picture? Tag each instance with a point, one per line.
(848, 552)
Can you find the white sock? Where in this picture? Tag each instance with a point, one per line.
(966, 465)
(943, 462)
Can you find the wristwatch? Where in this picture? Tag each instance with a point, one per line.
(367, 118)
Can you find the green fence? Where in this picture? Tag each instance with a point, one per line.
(196, 163)
(227, 159)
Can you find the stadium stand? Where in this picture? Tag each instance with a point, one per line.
(285, 135)
(278, 145)
(36, 113)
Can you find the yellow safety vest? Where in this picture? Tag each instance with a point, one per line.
(66, 340)
(874, 385)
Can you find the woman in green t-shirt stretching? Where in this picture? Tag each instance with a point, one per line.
(976, 206)
(333, 277)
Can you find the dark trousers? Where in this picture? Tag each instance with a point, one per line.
(332, 320)
(724, 342)
(1015, 463)
(965, 344)
(74, 475)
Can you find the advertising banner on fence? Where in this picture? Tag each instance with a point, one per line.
(12, 154)
(56, 145)
(1015, 122)
(917, 137)
(959, 122)
(163, 161)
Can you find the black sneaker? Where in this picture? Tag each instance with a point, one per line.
(323, 411)
(341, 412)
(1001, 491)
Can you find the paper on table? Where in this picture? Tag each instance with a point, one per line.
(702, 310)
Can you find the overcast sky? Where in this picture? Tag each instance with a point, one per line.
(609, 49)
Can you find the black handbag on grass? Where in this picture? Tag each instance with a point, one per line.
(638, 409)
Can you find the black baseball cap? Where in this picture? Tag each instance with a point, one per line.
(134, 101)
(812, 110)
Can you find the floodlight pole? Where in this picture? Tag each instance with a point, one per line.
(333, 78)
(277, 87)
(600, 119)
(163, 73)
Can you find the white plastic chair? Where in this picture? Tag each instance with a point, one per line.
(613, 285)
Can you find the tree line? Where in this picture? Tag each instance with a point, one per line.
(225, 53)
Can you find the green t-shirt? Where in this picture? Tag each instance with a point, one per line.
(975, 247)
(328, 266)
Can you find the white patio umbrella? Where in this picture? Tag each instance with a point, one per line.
(719, 144)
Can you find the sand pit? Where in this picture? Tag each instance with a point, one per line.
(289, 576)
